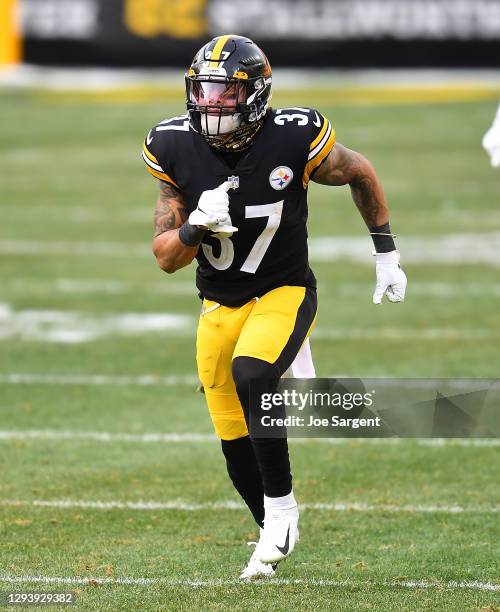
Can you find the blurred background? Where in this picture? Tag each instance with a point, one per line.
(312, 34)
(97, 344)
(414, 85)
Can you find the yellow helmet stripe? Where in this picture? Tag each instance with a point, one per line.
(217, 50)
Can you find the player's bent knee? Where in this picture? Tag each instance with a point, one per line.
(245, 369)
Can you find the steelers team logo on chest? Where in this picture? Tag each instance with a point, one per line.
(280, 177)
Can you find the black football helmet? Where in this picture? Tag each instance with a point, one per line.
(228, 89)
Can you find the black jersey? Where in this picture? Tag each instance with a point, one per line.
(268, 204)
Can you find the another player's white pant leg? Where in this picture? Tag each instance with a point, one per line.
(302, 366)
(491, 141)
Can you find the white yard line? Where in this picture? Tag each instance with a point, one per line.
(75, 249)
(446, 249)
(465, 442)
(430, 289)
(168, 287)
(429, 442)
(181, 506)
(97, 286)
(197, 583)
(395, 333)
(181, 437)
(74, 327)
(144, 380)
(103, 436)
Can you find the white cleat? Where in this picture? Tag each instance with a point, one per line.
(279, 536)
(255, 568)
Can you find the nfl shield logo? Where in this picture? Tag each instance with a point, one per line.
(280, 177)
(235, 181)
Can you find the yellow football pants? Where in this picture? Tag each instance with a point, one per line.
(271, 328)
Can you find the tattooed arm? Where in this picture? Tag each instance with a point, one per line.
(170, 213)
(346, 167)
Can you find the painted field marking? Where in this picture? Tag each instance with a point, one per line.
(97, 286)
(143, 380)
(446, 248)
(180, 437)
(73, 327)
(103, 436)
(84, 213)
(394, 333)
(464, 442)
(188, 288)
(197, 583)
(181, 506)
(78, 248)
(431, 289)
(18, 378)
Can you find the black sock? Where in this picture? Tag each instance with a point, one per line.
(274, 462)
(244, 472)
(271, 453)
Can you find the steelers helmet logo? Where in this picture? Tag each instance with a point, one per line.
(280, 177)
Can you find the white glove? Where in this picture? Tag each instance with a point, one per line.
(391, 280)
(491, 141)
(212, 211)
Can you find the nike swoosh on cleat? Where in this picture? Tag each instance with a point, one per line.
(149, 139)
(317, 122)
(284, 549)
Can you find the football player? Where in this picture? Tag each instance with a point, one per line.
(491, 141)
(233, 178)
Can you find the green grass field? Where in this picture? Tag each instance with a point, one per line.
(76, 209)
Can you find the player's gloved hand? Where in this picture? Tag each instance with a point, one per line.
(491, 142)
(391, 280)
(212, 212)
